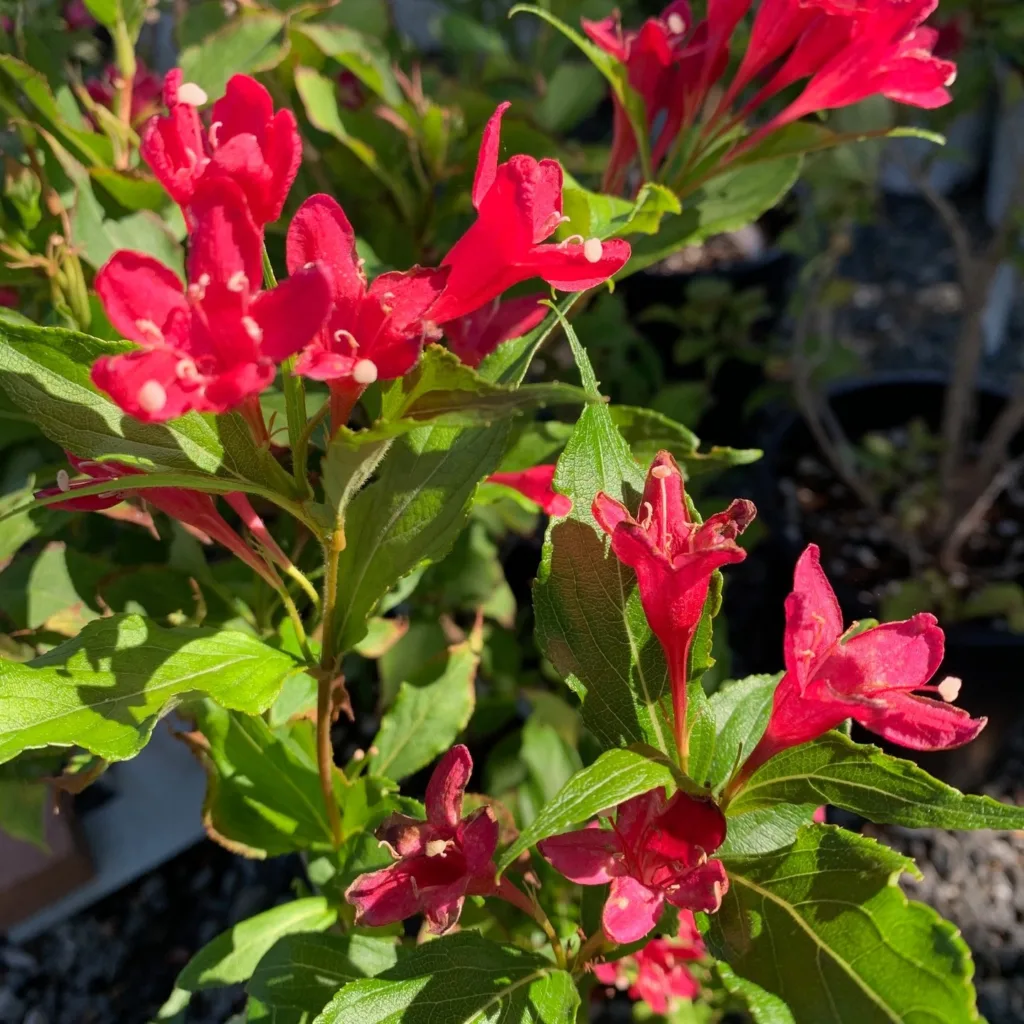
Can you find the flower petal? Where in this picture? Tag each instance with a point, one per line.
(245, 109)
(290, 315)
(687, 825)
(139, 294)
(813, 619)
(487, 161)
(536, 484)
(383, 897)
(320, 232)
(225, 242)
(478, 835)
(920, 723)
(702, 888)
(447, 787)
(631, 910)
(567, 267)
(146, 385)
(588, 856)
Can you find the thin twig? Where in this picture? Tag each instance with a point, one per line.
(993, 449)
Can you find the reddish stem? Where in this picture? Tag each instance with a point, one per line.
(344, 395)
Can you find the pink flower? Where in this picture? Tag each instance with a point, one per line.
(659, 67)
(657, 974)
(193, 508)
(536, 484)
(372, 333)
(518, 204)
(870, 677)
(438, 862)
(9, 297)
(478, 334)
(77, 16)
(656, 850)
(146, 90)
(674, 559)
(247, 142)
(210, 346)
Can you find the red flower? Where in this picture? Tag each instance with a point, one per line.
(478, 334)
(9, 297)
(658, 65)
(146, 89)
(519, 204)
(247, 142)
(438, 862)
(673, 558)
(214, 344)
(869, 677)
(656, 850)
(193, 508)
(535, 484)
(77, 16)
(657, 974)
(374, 332)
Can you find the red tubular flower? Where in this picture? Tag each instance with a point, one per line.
(214, 344)
(478, 334)
(656, 850)
(657, 974)
(870, 677)
(518, 204)
(438, 862)
(673, 558)
(247, 142)
(536, 484)
(193, 508)
(374, 332)
(657, 68)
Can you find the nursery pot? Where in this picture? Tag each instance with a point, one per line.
(984, 654)
(774, 272)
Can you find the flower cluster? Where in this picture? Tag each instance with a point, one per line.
(215, 343)
(842, 51)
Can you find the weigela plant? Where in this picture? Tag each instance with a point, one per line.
(363, 438)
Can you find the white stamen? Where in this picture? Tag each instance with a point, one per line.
(949, 689)
(592, 250)
(186, 369)
(192, 94)
(571, 240)
(676, 24)
(212, 134)
(622, 984)
(341, 335)
(193, 159)
(252, 328)
(364, 372)
(661, 472)
(648, 510)
(311, 265)
(238, 282)
(952, 77)
(63, 483)
(373, 751)
(622, 903)
(359, 755)
(436, 847)
(152, 397)
(150, 329)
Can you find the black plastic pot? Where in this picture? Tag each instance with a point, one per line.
(985, 655)
(737, 380)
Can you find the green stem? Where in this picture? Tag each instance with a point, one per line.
(324, 750)
(303, 581)
(294, 401)
(594, 946)
(514, 895)
(300, 630)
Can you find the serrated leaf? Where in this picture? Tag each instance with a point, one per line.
(233, 955)
(727, 202)
(596, 215)
(763, 1007)
(860, 778)
(823, 925)
(264, 796)
(701, 725)
(766, 830)
(427, 716)
(615, 776)
(106, 689)
(460, 979)
(590, 623)
(741, 709)
(303, 971)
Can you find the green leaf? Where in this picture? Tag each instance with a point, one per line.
(460, 979)
(824, 926)
(303, 971)
(616, 74)
(25, 796)
(251, 41)
(725, 203)
(264, 796)
(106, 689)
(617, 775)
(130, 189)
(763, 831)
(444, 391)
(360, 54)
(233, 955)
(430, 712)
(701, 723)
(835, 770)
(320, 99)
(573, 91)
(741, 709)
(596, 215)
(590, 623)
(762, 1006)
